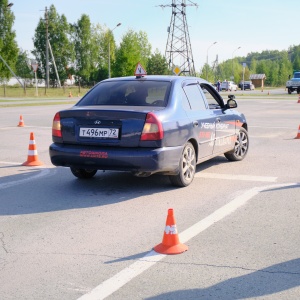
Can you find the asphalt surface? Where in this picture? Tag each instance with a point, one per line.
(63, 238)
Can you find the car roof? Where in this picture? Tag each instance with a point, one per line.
(171, 78)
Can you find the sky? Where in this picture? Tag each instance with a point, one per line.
(254, 26)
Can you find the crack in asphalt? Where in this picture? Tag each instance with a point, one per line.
(118, 259)
(2, 242)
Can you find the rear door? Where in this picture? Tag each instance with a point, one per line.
(202, 119)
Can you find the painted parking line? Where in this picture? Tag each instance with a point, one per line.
(236, 177)
(10, 163)
(270, 127)
(43, 172)
(15, 127)
(114, 283)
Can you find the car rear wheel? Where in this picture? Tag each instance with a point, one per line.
(240, 148)
(187, 167)
(83, 173)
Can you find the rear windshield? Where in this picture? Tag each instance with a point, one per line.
(128, 93)
(297, 75)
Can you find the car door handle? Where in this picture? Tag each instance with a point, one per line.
(195, 123)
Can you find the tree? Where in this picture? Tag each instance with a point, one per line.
(252, 66)
(8, 45)
(62, 48)
(295, 57)
(272, 78)
(23, 67)
(157, 64)
(134, 48)
(285, 68)
(86, 48)
(225, 69)
(100, 35)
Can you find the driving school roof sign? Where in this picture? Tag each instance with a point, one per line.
(140, 70)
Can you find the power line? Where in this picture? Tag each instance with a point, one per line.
(178, 48)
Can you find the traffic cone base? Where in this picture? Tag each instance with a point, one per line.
(170, 243)
(32, 163)
(21, 122)
(32, 158)
(176, 249)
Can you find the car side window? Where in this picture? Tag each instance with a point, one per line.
(210, 96)
(185, 102)
(194, 96)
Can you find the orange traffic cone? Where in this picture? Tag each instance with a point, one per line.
(298, 99)
(32, 159)
(170, 243)
(298, 134)
(21, 122)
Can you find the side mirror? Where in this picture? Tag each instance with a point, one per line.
(231, 103)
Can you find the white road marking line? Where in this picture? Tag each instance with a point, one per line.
(270, 127)
(16, 127)
(114, 283)
(9, 163)
(42, 173)
(235, 177)
(20, 164)
(111, 285)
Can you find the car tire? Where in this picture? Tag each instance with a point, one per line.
(83, 173)
(187, 167)
(241, 146)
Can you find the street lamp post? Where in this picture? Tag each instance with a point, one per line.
(207, 59)
(119, 24)
(232, 61)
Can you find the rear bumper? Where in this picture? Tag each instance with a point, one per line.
(137, 160)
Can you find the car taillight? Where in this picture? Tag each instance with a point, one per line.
(56, 127)
(153, 129)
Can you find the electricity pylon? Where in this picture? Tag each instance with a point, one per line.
(178, 49)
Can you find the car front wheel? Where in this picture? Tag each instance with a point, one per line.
(187, 167)
(83, 173)
(241, 146)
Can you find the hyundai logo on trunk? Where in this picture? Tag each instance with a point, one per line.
(97, 122)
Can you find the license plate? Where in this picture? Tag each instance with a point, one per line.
(111, 133)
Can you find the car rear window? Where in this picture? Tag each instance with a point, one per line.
(128, 93)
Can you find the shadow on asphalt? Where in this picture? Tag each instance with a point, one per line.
(258, 283)
(38, 190)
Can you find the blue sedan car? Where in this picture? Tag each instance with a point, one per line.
(146, 125)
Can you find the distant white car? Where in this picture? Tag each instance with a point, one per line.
(229, 86)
